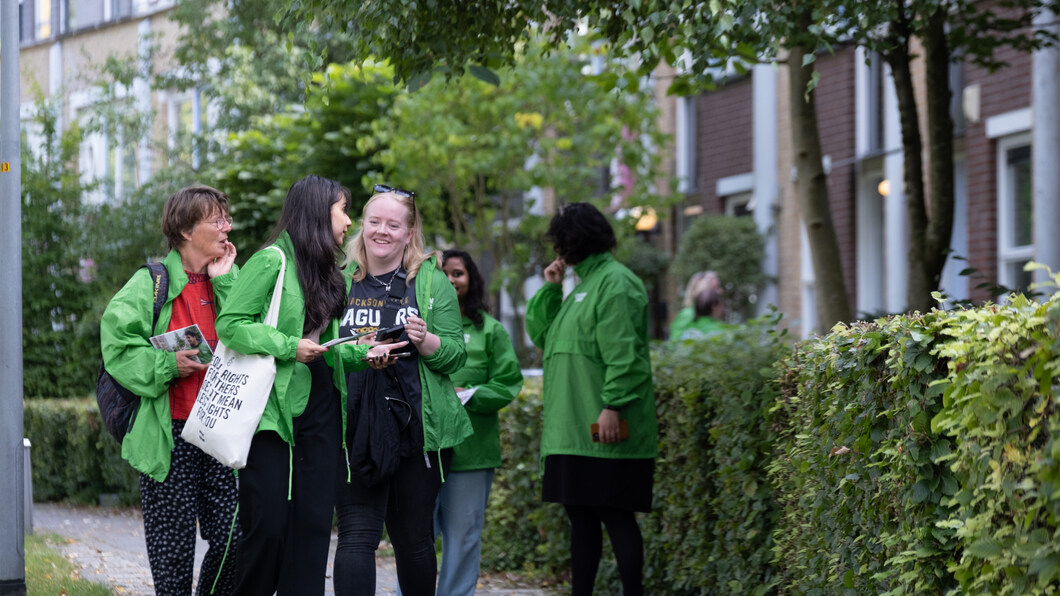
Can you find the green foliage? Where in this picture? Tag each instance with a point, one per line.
(259, 164)
(422, 39)
(475, 152)
(1000, 412)
(856, 471)
(522, 533)
(730, 246)
(74, 458)
(713, 513)
(246, 61)
(918, 454)
(711, 527)
(56, 291)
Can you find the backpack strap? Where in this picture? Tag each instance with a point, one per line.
(160, 283)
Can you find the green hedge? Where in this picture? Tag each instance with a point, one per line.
(710, 528)
(73, 457)
(908, 455)
(917, 455)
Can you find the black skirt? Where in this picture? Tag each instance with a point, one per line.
(598, 482)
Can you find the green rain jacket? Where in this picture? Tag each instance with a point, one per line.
(445, 424)
(493, 369)
(596, 354)
(125, 332)
(240, 327)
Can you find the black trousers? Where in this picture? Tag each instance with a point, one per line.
(287, 498)
(586, 546)
(197, 489)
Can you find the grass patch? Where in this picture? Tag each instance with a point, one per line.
(49, 573)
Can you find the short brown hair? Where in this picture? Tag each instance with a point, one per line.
(187, 207)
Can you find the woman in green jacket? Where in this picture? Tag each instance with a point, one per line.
(597, 370)
(395, 477)
(493, 378)
(180, 486)
(287, 488)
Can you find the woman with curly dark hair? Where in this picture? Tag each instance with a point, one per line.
(599, 434)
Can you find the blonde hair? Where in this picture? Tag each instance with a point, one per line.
(415, 251)
(699, 282)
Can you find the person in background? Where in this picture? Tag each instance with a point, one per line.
(397, 282)
(709, 310)
(699, 281)
(181, 488)
(492, 374)
(597, 369)
(287, 489)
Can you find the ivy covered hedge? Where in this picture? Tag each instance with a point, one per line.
(74, 459)
(919, 455)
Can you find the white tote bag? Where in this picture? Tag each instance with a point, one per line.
(233, 396)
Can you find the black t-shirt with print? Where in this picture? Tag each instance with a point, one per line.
(365, 312)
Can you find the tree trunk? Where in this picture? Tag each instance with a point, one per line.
(912, 162)
(811, 186)
(939, 229)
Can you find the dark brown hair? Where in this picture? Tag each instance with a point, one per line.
(187, 207)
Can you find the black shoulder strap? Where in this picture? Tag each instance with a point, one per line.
(160, 283)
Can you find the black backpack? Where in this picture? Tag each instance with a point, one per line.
(118, 405)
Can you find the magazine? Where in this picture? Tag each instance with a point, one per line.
(187, 338)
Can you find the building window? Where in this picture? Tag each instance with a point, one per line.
(876, 104)
(81, 14)
(42, 28)
(1015, 212)
(738, 204)
(147, 6)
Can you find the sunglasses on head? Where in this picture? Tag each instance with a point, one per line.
(401, 192)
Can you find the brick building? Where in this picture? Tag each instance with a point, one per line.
(735, 148)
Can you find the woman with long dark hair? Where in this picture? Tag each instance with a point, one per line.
(286, 491)
(492, 378)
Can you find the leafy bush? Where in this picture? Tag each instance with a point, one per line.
(711, 527)
(917, 455)
(74, 459)
(713, 512)
(730, 246)
(521, 532)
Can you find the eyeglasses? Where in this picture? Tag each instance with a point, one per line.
(220, 222)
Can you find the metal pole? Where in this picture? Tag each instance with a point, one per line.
(12, 539)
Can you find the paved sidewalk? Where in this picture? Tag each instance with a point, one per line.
(108, 546)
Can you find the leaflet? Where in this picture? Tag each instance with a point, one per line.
(186, 338)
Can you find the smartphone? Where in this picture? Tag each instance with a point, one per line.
(392, 354)
(391, 333)
(623, 431)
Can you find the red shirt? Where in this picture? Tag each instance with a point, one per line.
(194, 305)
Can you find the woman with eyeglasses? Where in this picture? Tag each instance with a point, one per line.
(182, 490)
(404, 416)
(287, 489)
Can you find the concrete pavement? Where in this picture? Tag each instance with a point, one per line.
(108, 546)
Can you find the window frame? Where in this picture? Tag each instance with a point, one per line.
(1008, 252)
